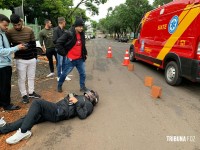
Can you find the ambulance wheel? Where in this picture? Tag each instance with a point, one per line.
(132, 54)
(172, 73)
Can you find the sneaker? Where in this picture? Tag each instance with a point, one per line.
(25, 99)
(18, 136)
(2, 122)
(34, 95)
(83, 89)
(59, 89)
(68, 79)
(50, 75)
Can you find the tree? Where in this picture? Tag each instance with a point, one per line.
(90, 5)
(136, 10)
(110, 9)
(5, 4)
(46, 9)
(41, 9)
(93, 24)
(125, 17)
(51, 9)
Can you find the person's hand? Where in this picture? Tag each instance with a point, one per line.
(44, 50)
(21, 46)
(73, 100)
(86, 57)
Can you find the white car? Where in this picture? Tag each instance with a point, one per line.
(38, 44)
(87, 37)
(39, 48)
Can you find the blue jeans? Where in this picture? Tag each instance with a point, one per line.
(69, 66)
(60, 64)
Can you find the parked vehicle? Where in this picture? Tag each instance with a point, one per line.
(87, 37)
(169, 38)
(116, 38)
(132, 36)
(123, 39)
(39, 48)
(92, 36)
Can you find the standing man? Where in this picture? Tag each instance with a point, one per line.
(73, 41)
(5, 65)
(58, 32)
(46, 42)
(25, 60)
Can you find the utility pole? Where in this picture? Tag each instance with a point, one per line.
(23, 17)
(23, 9)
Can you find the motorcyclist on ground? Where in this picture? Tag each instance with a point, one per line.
(41, 110)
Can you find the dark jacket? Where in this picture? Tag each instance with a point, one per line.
(57, 32)
(66, 42)
(82, 108)
(63, 111)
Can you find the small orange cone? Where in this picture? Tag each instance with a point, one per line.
(126, 59)
(109, 55)
(156, 91)
(148, 81)
(130, 67)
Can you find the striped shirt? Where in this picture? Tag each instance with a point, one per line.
(26, 35)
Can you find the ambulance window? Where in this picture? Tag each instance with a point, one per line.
(138, 31)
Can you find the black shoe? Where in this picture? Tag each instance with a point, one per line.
(12, 107)
(34, 95)
(59, 89)
(25, 99)
(84, 89)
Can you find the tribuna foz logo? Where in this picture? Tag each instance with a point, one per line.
(180, 138)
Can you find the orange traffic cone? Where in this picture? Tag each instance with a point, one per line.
(109, 55)
(156, 91)
(126, 59)
(148, 81)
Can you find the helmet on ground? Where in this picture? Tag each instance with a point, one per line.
(92, 96)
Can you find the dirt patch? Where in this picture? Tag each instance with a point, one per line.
(46, 87)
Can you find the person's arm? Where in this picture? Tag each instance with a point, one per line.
(55, 35)
(60, 43)
(32, 36)
(82, 110)
(10, 50)
(85, 50)
(32, 42)
(84, 47)
(9, 37)
(41, 40)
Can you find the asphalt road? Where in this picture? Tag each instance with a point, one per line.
(127, 117)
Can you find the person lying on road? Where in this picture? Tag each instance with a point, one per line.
(41, 110)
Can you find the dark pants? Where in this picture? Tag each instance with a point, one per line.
(39, 111)
(5, 85)
(50, 53)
